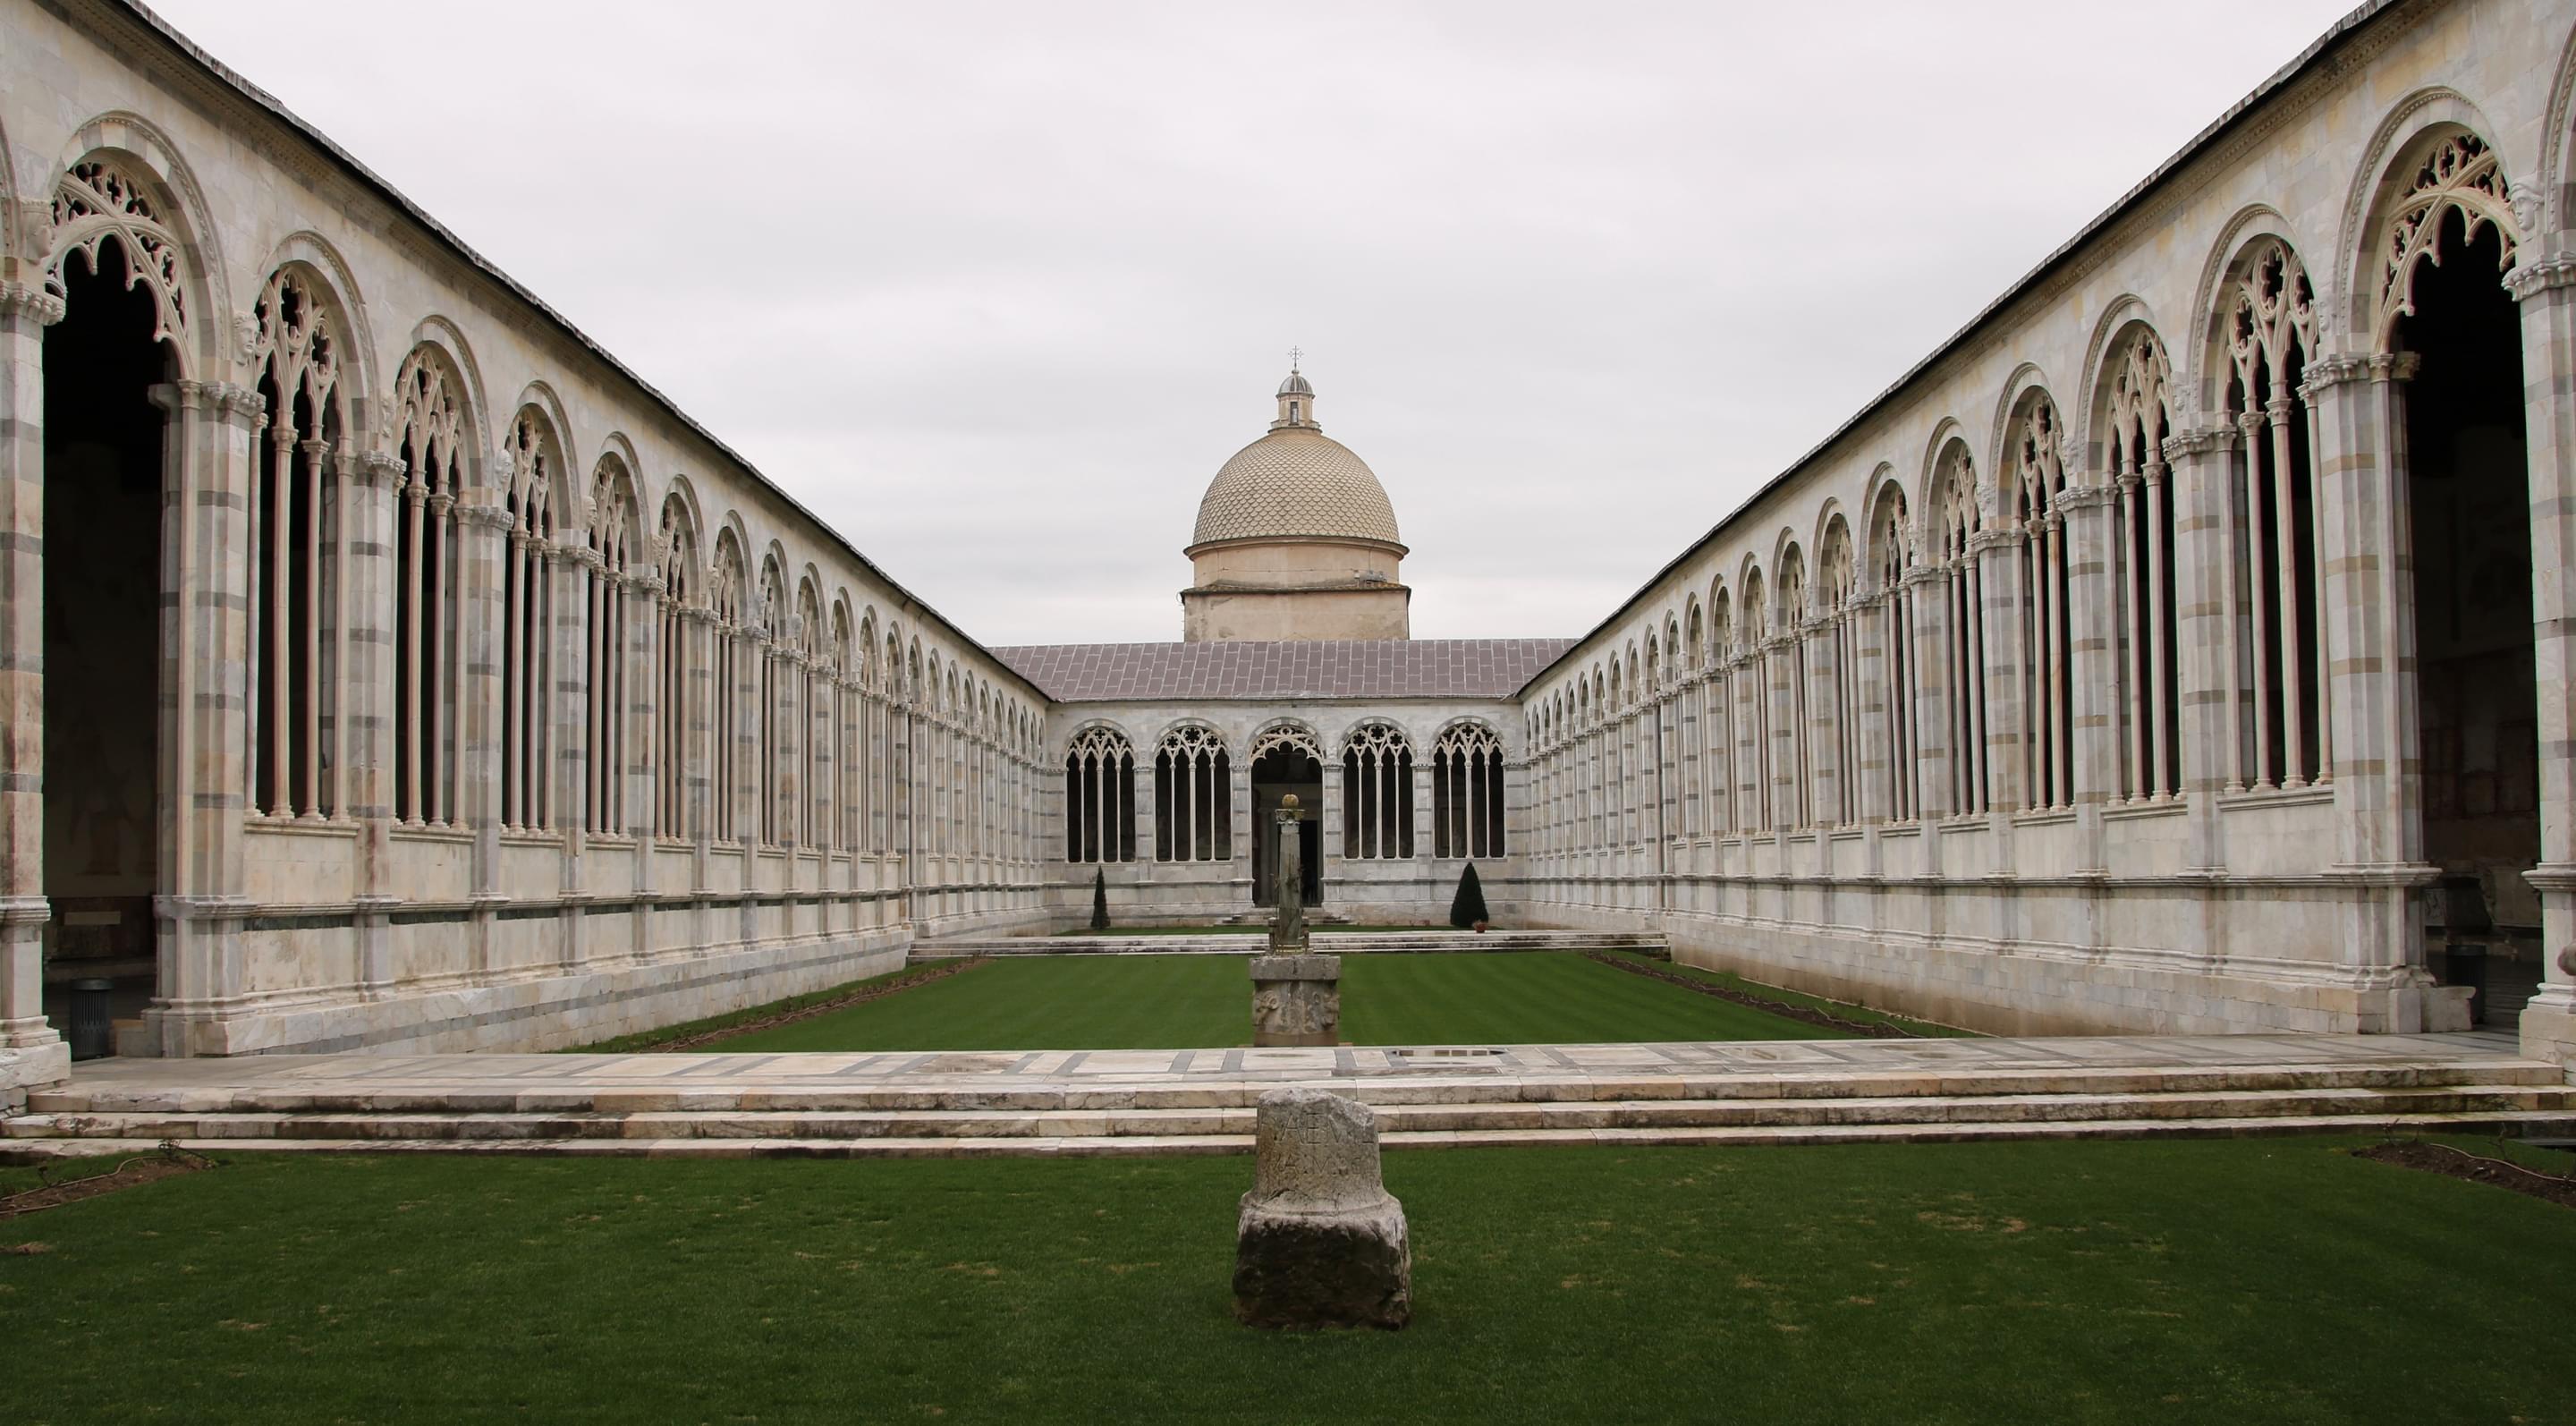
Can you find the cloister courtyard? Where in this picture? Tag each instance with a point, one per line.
(2049, 896)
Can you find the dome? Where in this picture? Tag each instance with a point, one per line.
(1295, 482)
(1296, 385)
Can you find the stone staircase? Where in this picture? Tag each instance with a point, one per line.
(1446, 1104)
(1434, 942)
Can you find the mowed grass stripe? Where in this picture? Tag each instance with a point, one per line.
(2202, 1282)
(1192, 1002)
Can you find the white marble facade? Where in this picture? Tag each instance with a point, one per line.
(2083, 680)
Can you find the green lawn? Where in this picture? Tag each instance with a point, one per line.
(2222, 1282)
(1177, 1002)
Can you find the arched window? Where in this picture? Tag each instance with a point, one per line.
(770, 781)
(678, 652)
(2038, 475)
(1953, 503)
(1727, 801)
(1100, 798)
(843, 722)
(1760, 814)
(725, 599)
(1795, 770)
(429, 437)
(1467, 792)
(2271, 526)
(1377, 793)
(1892, 555)
(813, 680)
(1838, 721)
(1193, 797)
(2142, 549)
(295, 649)
(606, 574)
(528, 625)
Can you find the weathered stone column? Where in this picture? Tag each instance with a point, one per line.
(2203, 633)
(2367, 617)
(30, 1051)
(1319, 1242)
(2546, 291)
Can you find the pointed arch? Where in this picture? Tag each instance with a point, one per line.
(431, 429)
(2035, 497)
(1377, 792)
(1099, 794)
(183, 257)
(302, 491)
(2133, 417)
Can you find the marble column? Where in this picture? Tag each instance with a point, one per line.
(2546, 290)
(2367, 619)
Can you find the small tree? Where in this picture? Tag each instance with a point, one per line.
(1100, 899)
(1467, 908)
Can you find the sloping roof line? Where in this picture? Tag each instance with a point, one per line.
(192, 53)
(2200, 143)
(1260, 669)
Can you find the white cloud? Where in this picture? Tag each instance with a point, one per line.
(995, 288)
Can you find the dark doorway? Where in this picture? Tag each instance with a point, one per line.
(2471, 507)
(103, 464)
(1275, 775)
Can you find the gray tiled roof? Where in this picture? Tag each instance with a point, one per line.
(1322, 668)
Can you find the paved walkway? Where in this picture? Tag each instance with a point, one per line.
(573, 1076)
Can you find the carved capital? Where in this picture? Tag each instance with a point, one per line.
(2207, 440)
(489, 517)
(379, 469)
(2324, 374)
(20, 301)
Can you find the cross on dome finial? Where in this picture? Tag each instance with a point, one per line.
(1295, 355)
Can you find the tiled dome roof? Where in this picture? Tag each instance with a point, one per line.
(1296, 481)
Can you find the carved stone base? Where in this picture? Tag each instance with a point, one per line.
(1296, 1000)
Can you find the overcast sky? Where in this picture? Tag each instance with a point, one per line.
(996, 288)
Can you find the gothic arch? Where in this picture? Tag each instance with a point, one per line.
(1950, 442)
(682, 491)
(2125, 311)
(2421, 131)
(1284, 733)
(542, 397)
(2010, 404)
(437, 331)
(209, 343)
(320, 266)
(2199, 363)
(435, 413)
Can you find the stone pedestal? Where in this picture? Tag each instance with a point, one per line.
(1319, 1242)
(1296, 1000)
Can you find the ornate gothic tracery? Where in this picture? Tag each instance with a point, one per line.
(1377, 793)
(301, 496)
(2038, 488)
(532, 463)
(1100, 797)
(429, 439)
(1467, 792)
(2142, 548)
(2272, 577)
(99, 200)
(2459, 175)
(1193, 797)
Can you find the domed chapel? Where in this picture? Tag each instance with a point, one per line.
(2183, 646)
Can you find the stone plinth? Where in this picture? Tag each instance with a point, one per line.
(1296, 1000)
(1319, 1242)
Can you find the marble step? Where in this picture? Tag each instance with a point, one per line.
(1247, 942)
(2515, 1123)
(1539, 1116)
(1445, 1086)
